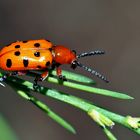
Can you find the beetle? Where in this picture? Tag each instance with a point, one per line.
(22, 56)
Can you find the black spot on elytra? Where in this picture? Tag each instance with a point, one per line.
(25, 62)
(8, 63)
(48, 63)
(25, 41)
(36, 44)
(17, 53)
(37, 54)
(17, 46)
(39, 66)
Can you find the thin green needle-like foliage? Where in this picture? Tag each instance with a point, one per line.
(109, 134)
(75, 101)
(104, 118)
(75, 77)
(24, 93)
(86, 88)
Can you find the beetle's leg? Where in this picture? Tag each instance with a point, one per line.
(14, 73)
(35, 85)
(59, 74)
(41, 77)
(44, 75)
(2, 79)
(22, 72)
(58, 70)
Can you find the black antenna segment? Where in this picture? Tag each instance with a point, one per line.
(92, 72)
(90, 53)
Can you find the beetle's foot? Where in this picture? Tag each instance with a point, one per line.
(63, 78)
(14, 73)
(35, 86)
(2, 79)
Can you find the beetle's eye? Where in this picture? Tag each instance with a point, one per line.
(73, 65)
(74, 52)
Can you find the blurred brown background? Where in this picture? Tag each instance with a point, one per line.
(83, 25)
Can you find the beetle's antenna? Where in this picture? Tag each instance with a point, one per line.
(90, 53)
(92, 71)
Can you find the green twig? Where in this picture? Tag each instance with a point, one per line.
(85, 87)
(75, 77)
(75, 101)
(24, 93)
(102, 117)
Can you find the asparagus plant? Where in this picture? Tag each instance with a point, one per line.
(103, 117)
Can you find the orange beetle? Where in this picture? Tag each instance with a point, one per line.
(22, 56)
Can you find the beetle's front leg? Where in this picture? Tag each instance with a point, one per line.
(59, 74)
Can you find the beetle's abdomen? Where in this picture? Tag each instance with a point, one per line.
(21, 59)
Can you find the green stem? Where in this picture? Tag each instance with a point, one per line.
(87, 88)
(109, 134)
(24, 93)
(52, 114)
(75, 77)
(75, 101)
(84, 87)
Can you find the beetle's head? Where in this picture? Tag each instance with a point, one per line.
(63, 55)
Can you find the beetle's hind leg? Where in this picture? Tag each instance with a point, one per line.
(13, 73)
(2, 79)
(17, 73)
